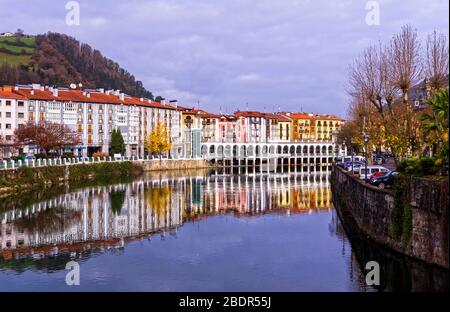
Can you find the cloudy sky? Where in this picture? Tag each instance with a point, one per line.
(287, 55)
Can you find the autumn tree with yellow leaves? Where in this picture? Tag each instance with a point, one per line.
(158, 141)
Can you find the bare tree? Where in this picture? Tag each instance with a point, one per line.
(436, 63)
(369, 79)
(404, 60)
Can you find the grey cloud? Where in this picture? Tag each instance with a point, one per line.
(290, 54)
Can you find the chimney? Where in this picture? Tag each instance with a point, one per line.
(50, 89)
(84, 93)
(88, 95)
(32, 92)
(101, 90)
(122, 96)
(108, 92)
(174, 103)
(55, 92)
(116, 92)
(16, 88)
(141, 99)
(42, 88)
(36, 86)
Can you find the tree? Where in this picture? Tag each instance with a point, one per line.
(117, 145)
(158, 141)
(435, 124)
(436, 63)
(46, 135)
(404, 60)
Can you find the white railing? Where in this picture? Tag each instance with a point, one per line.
(47, 162)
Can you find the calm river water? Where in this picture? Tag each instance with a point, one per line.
(196, 232)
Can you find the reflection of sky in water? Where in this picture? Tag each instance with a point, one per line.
(216, 233)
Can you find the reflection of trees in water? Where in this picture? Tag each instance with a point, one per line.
(157, 199)
(117, 199)
(49, 221)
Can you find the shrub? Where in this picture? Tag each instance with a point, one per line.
(416, 167)
(99, 154)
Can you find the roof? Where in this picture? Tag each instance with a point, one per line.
(311, 116)
(248, 114)
(7, 92)
(68, 95)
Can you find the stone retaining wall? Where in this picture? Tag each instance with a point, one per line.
(411, 219)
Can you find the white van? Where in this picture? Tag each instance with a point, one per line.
(370, 170)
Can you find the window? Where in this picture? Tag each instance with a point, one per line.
(8, 115)
(8, 137)
(8, 126)
(21, 115)
(8, 103)
(20, 103)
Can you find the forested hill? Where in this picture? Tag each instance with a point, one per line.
(58, 59)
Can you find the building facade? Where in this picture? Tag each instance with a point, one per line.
(95, 113)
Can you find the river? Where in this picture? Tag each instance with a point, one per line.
(195, 231)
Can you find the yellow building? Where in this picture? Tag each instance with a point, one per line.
(313, 127)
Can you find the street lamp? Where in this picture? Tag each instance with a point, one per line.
(366, 141)
(351, 149)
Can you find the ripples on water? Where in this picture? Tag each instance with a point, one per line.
(197, 232)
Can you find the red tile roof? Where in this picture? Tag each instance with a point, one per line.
(77, 96)
(248, 114)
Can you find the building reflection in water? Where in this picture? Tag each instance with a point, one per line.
(109, 216)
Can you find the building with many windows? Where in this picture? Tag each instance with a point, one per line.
(94, 113)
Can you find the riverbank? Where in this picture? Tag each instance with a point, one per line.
(411, 219)
(24, 179)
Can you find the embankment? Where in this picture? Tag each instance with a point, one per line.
(25, 178)
(411, 219)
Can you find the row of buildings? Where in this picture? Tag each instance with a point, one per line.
(94, 113)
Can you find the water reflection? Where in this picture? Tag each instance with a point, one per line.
(197, 232)
(107, 216)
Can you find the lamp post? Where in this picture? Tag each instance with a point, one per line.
(366, 141)
(351, 149)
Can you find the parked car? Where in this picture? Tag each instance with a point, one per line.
(385, 180)
(30, 156)
(377, 174)
(356, 165)
(370, 170)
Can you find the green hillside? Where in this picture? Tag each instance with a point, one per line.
(17, 50)
(57, 59)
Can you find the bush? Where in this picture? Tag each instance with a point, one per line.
(99, 154)
(416, 167)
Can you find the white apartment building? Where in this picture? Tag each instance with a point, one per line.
(92, 113)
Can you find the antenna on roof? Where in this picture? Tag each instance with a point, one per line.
(198, 104)
(246, 106)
